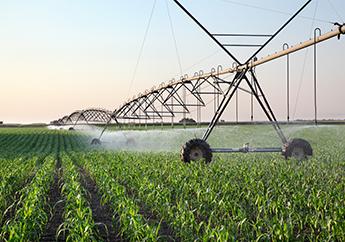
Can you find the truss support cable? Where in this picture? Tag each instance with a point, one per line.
(279, 30)
(274, 11)
(207, 32)
(142, 46)
(269, 114)
(174, 37)
(304, 63)
(240, 74)
(334, 33)
(335, 10)
(224, 103)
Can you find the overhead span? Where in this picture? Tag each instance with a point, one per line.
(167, 99)
(176, 97)
(95, 115)
(91, 115)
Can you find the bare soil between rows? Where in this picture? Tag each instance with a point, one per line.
(165, 231)
(102, 214)
(57, 205)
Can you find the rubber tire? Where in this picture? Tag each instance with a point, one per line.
(298, 143)
(196, 143)
(96, 141)
(71, 129)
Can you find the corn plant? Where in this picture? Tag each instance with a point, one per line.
(133, 225)
(78, 223)
(14, 174)
(31, 214)
(236, 200)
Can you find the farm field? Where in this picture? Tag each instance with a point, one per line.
(55, 186)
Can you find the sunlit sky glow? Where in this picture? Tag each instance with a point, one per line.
(57, 56)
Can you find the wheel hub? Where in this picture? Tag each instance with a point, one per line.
(298, 149)
(196, 154)
(298, 153)
(196, 149)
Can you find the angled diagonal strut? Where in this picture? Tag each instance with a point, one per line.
(241, 74)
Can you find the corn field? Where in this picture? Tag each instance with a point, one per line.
(55, 186)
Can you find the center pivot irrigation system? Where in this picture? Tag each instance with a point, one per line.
(88, 116)
(169, 99)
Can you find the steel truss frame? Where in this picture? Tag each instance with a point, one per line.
(169, 99)
(76, 116)
(143, 106)
(95, 115)
(260, 97)
(88, 116)
(63, 120)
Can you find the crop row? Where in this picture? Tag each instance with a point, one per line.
(237, 197)
(78, 222)
(180, 218)
(242, 200)
(28, 142)
(133, 225)
(21, 157)
(14, 174)
(31, 209)
(25, 144)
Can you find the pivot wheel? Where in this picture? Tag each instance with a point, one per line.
(298, 149)
(196, 149)
(71, 129)
(96, 141)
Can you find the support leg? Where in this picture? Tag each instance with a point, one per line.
(265, 106)
(224, 103)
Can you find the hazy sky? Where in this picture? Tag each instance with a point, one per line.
(57, 56)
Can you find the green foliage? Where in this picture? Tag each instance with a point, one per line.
(133, 225)
(13, 174)
(242, 197)
(31, 216)
(78, 222)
